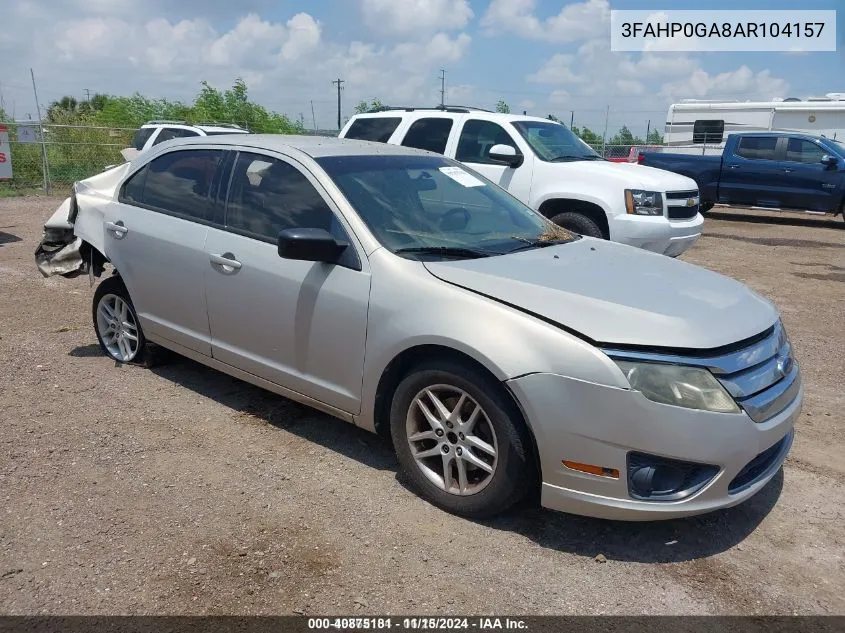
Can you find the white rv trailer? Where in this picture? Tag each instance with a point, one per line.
(701, 127)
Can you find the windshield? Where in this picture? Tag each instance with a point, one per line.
(837, 145)
(431, 207)
(554, 142)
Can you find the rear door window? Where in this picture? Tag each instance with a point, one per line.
(429, 134)
(177, 183)
(757, 147)
(141, 137)
(373, 128)
(173, 132)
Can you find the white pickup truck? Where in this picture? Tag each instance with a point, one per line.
(550, 169)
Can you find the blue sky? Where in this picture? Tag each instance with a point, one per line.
(538, 55)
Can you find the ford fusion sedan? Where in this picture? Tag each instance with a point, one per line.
(401, 291)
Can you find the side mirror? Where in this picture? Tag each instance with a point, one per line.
(506, 154)
(311, 245)
(829, 160)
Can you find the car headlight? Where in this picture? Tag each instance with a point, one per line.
(679, 385)
(639, 202)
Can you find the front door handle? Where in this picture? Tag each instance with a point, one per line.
(733, 166)
(117, 228)
(787, 170)
(226, 263)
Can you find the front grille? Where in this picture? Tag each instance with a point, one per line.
(681, 195)
(761, 465)
(683, 213)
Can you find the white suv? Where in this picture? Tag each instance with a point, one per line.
(550, 169)
(155, 132)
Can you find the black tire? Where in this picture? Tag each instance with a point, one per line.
(113, 286)
(578, 223)
(512, 476)
(704, 207)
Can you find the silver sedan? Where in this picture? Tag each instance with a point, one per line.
(403, 292)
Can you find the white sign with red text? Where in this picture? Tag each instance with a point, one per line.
(5, 154)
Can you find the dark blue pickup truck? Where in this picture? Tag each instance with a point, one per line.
(765, 169)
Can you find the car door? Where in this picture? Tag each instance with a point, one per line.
(807, 183)
(155, 237)
(299, 324)
(472, 147)
(751, 174)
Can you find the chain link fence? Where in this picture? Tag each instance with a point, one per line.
(52, 160)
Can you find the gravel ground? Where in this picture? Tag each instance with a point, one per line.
(179, 490)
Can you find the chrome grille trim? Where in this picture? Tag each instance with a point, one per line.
(769, 403)
(763, 377)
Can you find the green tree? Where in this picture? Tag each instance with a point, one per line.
(503, 107)
(587, 135)
(654, 138)
(374, 104)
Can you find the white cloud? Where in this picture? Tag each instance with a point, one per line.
(575, 22)
(739, 83)
(286, 62)
(416, 16)
(557, 70)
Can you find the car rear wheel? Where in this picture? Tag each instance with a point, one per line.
(116, 323)
(578, 224)
(463, 447)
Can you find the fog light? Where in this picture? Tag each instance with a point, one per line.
(656, 478)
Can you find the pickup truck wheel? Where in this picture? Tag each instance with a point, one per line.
(704, 207)
(578, 223)
(458, 441)
(116, 323)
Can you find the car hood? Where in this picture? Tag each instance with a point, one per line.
(617, 294)
(631, 175)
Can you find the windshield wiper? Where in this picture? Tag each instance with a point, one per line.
(560, 159)
(446, 251)
(535, 243)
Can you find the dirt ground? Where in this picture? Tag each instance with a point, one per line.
(179, 490)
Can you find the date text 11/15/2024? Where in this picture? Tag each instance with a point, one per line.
(417, 624)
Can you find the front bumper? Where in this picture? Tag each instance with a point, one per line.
(595, 424)
(656, 233)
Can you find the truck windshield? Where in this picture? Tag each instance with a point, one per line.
(554, 142)
(839, 146)
(432, 207)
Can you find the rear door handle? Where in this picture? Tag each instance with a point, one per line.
(226, 262)
(733, 166)
(117, 228)
(787, 170)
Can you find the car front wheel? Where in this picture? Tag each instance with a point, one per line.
(460, 441)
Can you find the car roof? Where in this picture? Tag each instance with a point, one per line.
(479, 114)
(313, 146)
(205, 127)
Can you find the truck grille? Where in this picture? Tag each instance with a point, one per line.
(682, 205)
(761, 375)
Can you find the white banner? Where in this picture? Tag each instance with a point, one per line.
(5, 154)
(723, 31)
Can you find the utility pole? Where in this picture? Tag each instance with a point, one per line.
(45, 164)
(87, 95)
(442, 87)
(302, 120)
(339, 83)
(647, 131)
(313, 116)
(571, 118)
(604, 136)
